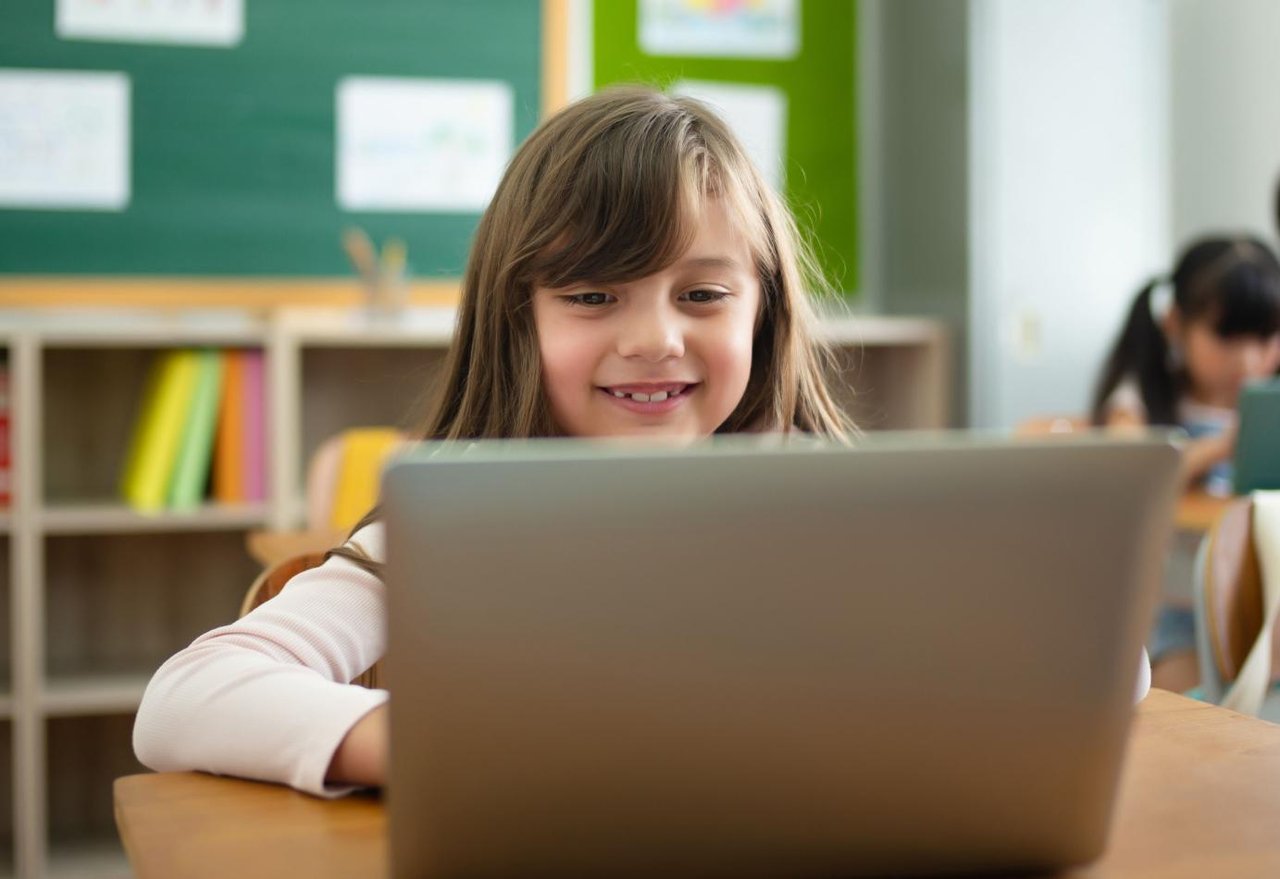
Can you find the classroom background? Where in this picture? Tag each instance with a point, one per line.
(219, 255)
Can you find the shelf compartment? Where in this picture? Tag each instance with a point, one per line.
(344, 387)
(121, 604)
(868, 381)
(85, 757)
(91, 400)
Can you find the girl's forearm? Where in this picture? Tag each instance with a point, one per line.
(362, 757)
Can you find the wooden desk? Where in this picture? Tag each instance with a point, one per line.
(1198, 510)
(1200, 798)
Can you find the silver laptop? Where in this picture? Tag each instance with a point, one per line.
(916, 656)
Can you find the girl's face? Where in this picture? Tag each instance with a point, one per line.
(665, 356)
(1219, 367)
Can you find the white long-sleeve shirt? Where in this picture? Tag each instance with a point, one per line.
(266, 697)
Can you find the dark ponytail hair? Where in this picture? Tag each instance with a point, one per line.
(1233, 284)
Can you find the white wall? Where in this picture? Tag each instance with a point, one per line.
(1068, 192)
(1226, 115)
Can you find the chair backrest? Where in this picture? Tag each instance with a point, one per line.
(342, 475)
(1231, 592)
(274, 578)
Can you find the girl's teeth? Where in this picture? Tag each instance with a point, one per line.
(658, 397)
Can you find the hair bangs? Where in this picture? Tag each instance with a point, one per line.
(1248, 302)
(630, 202)
(625, 208)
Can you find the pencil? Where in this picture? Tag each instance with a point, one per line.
(360, 251)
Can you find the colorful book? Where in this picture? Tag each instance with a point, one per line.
(195, 452)
(255, 434)
(364, 450)
(157, 433)
(229, 445)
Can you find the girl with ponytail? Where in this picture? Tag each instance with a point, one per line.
(1189, 344)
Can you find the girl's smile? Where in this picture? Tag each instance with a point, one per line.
(654, 398)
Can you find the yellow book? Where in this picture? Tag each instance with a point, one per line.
(364, 450)
(158, 430)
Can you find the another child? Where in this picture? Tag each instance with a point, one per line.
(1189, 344)
(633, 275)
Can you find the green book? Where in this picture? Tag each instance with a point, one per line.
(195, 453)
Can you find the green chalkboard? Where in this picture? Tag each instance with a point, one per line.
(819, 85)
(233, 149)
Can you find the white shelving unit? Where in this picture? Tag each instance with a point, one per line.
(95, 595)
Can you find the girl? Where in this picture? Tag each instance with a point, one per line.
(1188, 346)
(633, 275)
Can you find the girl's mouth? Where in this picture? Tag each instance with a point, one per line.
(652, 399)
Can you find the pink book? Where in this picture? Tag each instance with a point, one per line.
(255, 434)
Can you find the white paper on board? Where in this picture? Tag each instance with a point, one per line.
(64, 139)
(194, 22)
(758, 116)
(724, 29)
(430, 145)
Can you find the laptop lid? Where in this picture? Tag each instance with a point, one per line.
(730, 660)
(1257, 455)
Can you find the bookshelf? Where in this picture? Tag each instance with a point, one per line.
(94, 596)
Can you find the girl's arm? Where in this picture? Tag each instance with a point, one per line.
(361, 759)
(266, 697)
(1198, 456)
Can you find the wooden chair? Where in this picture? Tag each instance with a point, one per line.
(325, 525)
(1229, 604)
(273, 579)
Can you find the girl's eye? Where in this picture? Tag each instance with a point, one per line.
(704, 296)
(588, 299)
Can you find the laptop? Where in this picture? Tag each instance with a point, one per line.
(916, 656)
(1257, 454)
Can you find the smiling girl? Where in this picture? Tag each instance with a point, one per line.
(633, 276)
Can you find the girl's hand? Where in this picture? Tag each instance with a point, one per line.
(1201, 455)
(362, 757)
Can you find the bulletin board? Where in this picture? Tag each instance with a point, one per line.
(816, 77)
(232, 147)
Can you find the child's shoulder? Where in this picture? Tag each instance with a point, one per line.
(369, 542)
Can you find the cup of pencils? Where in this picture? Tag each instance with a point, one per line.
(382, 275)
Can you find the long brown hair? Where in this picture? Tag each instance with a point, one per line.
(610, 190)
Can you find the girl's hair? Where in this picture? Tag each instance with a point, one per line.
(608, 190)
(1230, 284)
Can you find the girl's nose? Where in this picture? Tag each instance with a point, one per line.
(652, 334)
